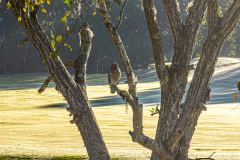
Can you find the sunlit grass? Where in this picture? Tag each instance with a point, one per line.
(38, 124)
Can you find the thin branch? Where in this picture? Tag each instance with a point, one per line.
(195, 16)
(231, 17)
(132, 80)
(213, 16)
(150, 13)
(137, 135)
(76, 23)
(81, 62)
(34, 12)
(69, 63)
(20, 44)
(93, 6)
(154, 113)
(150, 144)
(173, 13)
(121, 13)
(45, 85)
(49, 79)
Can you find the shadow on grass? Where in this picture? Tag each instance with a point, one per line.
(58, 105)
(149, 96)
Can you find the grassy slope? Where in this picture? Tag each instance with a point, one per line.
(33, 124)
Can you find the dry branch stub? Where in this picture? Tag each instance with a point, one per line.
(76, 115)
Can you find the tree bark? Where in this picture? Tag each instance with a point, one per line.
(173, 115)
(174, 85)
(74, 95)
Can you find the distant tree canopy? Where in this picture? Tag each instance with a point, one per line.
(133, 31)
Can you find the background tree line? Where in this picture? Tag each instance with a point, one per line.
(133, 31)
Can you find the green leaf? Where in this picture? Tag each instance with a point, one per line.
(69, 2)
(9, 5)
(59, 47)
(76, 18)
(63, 19)
(94, 13)
(56, 59)
(43, 61)
(65, 44)
(118, 18)
(67, 13)
(59, 38)
(53, 43)
(19, 19)
(57, 54)
(70, 48)
(67, 28)
(108, 3)
(51, 55)
(119, 3)
(43, 10)
(109, 9)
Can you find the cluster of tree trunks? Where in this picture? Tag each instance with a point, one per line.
(177, 119)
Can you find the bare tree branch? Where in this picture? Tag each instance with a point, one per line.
(93, 6)
(34, 12)
(81, 62)
(137, 135)
(20, 44)
(150, 13)
(45, 85)
(121, 13)
(173, 13)
(70, 63)
(49, 79)
(132, 80)
(213, 16)
(151, 144)
(195, 16)
(231, 17)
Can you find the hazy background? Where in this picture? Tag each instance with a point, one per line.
(133, 31)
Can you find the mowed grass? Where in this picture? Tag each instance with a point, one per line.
(37, 125)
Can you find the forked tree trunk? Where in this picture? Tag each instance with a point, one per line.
(73, 93)
(173, 113)
(177, 120)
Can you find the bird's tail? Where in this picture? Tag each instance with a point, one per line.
(112, 90)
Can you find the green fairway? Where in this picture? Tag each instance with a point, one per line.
(33, 124)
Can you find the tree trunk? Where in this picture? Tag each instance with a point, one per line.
(74, 95)
(174, 115)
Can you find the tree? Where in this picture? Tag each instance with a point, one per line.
(177, 119)
(74, 93)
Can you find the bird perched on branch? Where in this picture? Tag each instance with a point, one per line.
(114, 75)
